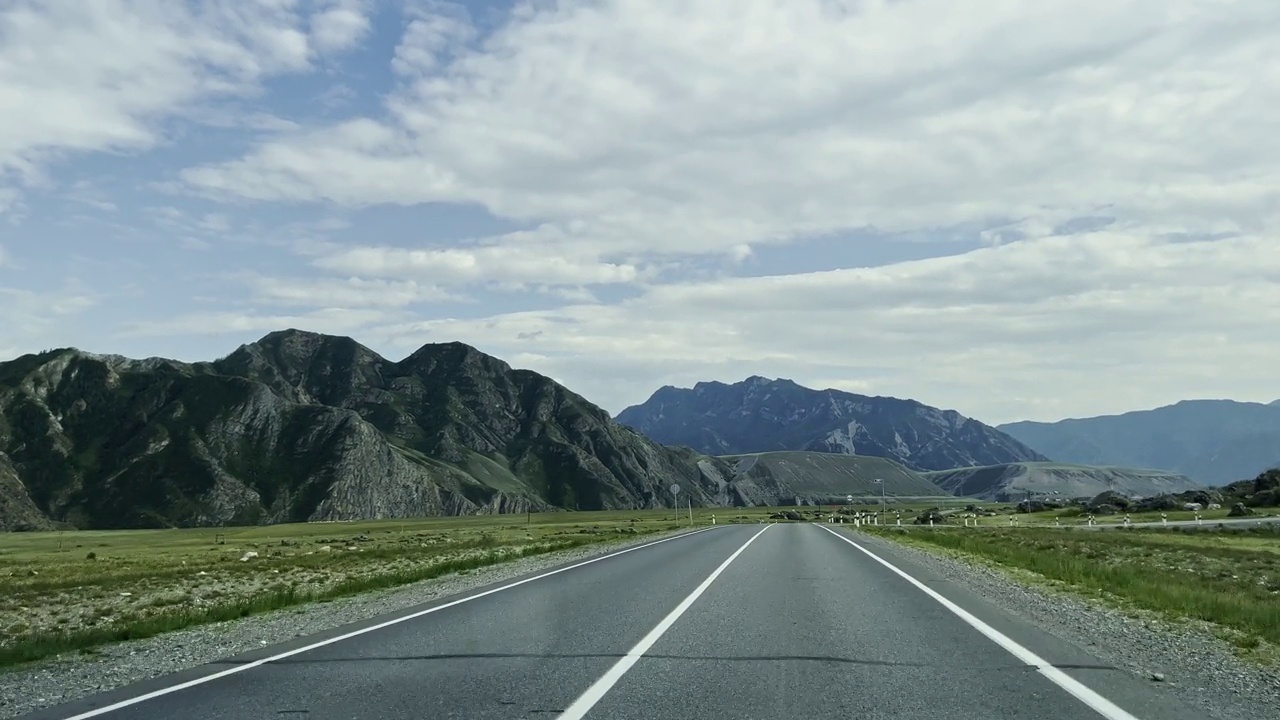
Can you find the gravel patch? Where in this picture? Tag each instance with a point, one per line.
(77, 675)
(1189, 657)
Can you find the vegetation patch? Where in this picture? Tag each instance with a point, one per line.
(76, 590)
(1231, 580)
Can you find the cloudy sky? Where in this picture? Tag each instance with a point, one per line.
(1020, 210)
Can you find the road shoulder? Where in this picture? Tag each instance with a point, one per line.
(1195, 668)
(75, 676)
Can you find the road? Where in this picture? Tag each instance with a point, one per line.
(733, 622)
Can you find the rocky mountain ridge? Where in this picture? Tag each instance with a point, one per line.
(300, 426)
(763, 415)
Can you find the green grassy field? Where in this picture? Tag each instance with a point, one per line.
(1074, 516)
(75, 590)
(1229, 579)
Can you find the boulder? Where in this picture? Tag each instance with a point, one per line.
(1203, 497)
(1159, 503)
(1239, 510)
(1109, 497)
(933, 514)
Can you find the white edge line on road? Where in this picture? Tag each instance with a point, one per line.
(345, 636)
(593, 694)
(1079, 690)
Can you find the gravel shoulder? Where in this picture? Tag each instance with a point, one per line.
(1191, 658)
(77, 675)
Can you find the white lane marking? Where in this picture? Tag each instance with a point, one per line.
(1079, 690)
(346, 636)
(593, 694)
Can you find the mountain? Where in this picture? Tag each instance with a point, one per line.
(808, 478)
(1213, 441)
(1012, 482)
(763, 415)
(300, 426)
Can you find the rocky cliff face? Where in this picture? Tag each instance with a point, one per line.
(762, 415)
(300, 426)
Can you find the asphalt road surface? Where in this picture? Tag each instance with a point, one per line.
(734, 622)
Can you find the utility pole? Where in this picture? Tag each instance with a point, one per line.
(884, 505)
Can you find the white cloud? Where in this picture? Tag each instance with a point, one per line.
(4, 258)
(38, 320)
(340, 25)
(1049, 328)
(433, 29)
(349, 293)
(1114, 158)
(510, 264)
(100, 76)
(658, 127)
(332, 320)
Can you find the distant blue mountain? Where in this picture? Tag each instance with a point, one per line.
(1211, 441)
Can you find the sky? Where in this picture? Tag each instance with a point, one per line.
(1018, 210)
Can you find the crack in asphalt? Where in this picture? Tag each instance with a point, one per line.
(654, 656)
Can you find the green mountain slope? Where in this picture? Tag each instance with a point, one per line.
(300, 426)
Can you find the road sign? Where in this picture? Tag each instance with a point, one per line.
(675, 488)
(848, 499)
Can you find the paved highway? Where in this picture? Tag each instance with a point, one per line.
(733, 622)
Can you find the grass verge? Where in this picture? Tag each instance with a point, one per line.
(39, 645)
(1231, 581)
(77, 590)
